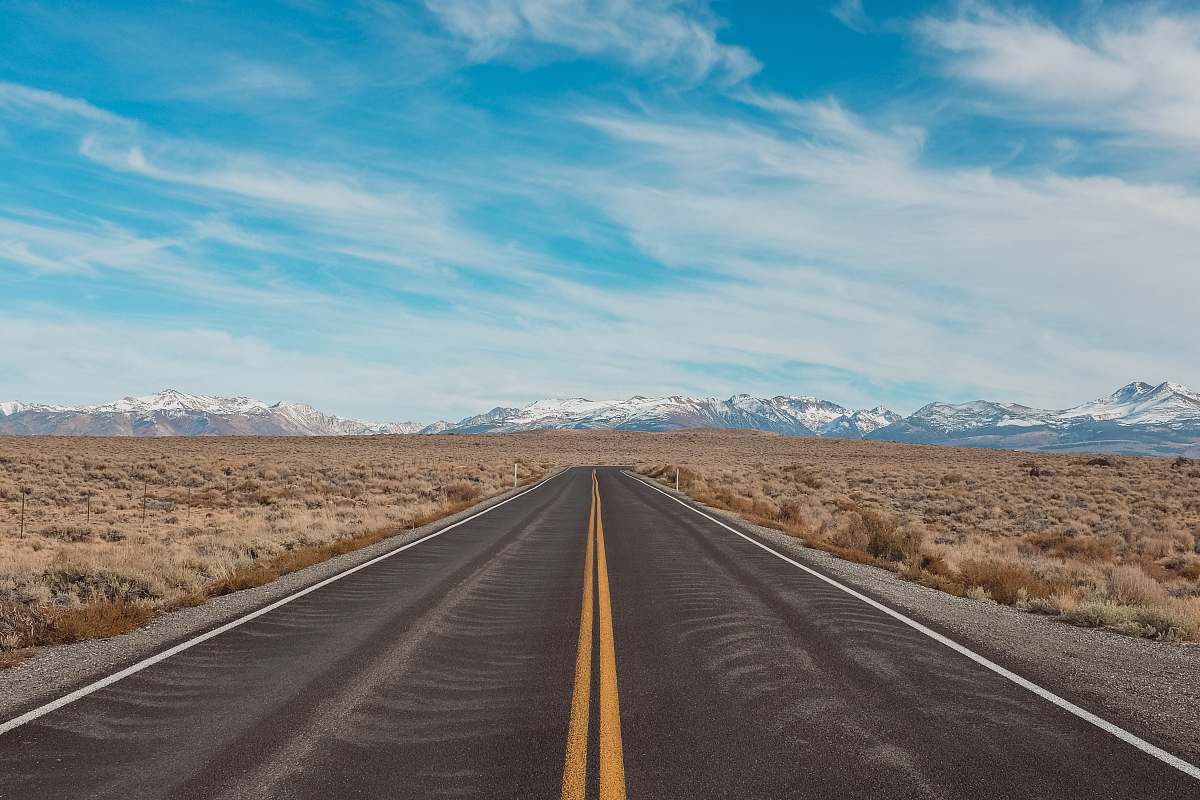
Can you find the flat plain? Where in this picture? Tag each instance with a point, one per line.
(113, 530)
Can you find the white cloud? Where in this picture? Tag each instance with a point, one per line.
(1039, 286)
(248, 80)
(248, 177)
(1130, 73)
(851, 14)
(674, 37)
(27, 100)
(49, 245)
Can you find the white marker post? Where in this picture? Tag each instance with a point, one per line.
(677, 479)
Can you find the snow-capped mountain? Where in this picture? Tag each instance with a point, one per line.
(1137, 418)
(1140, 403)
(10, 407)
(174, 413)
(802, 416)
(1140, 417)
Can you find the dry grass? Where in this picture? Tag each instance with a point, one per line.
(1112, 543)
(1107, 541)
(117, 529)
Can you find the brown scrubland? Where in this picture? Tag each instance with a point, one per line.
(116, 530)
(1104, 541)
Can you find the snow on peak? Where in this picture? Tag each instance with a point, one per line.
(1142, 404)
(1131, 391)
(10, 407)
(251, 415)
(1136, 403)
(979, 414)
(169, 400)
(783, 414)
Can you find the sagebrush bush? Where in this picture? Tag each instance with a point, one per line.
(886, 537)
(1005, 581)
(1130, 585)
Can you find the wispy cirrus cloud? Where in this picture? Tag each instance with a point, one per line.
(672, 37)
(250, 80)
(310, 187)
(327, 207)
(826, 199)
(15, 98)
(1129, 72)
(851, 14)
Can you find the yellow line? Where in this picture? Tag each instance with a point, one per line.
(574, 783)
(612, 762)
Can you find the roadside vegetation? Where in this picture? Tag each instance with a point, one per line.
(1100, 541)
(116, 530)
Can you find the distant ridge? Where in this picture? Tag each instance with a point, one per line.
(175, 413)
(1138, 418)
(795, 415)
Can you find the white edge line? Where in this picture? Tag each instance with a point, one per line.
(1103, 724)
(54, 705)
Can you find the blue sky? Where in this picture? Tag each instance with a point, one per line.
(422, 210)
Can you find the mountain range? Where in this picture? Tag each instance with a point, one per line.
(1139, 418)
(174, 413)
(797, 416)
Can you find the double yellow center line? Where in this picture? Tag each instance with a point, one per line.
(612, 765)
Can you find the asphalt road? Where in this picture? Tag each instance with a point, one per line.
(592, 638)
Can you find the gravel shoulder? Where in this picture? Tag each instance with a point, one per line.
(55, 671)
(1151, 689)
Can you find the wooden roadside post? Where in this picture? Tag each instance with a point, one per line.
(23, 493)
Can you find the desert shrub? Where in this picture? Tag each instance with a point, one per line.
(462, 492)
(1099, 614)
(67, 533)
(96, 620)
(81, 581)
(885, 537)
(1039, 605)
(790, 512)
(810, 479)
(1151, 622)
(1065, 544)
(1005, 581)
(979, 593)
(21, 624)
(1129, 585)
(933, 563)
(1186, 567)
